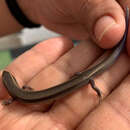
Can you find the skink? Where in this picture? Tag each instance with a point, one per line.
(65, 88)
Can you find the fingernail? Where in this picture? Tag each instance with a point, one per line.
(103, 25)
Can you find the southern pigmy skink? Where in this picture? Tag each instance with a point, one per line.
(65, 88)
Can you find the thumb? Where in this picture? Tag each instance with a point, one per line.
(104, 21)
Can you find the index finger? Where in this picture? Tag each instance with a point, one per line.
(26, 66)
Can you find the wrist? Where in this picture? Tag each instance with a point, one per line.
(29, 9)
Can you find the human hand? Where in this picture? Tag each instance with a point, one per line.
(99, 19)
(53, 62)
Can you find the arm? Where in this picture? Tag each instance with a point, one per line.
(7, 22)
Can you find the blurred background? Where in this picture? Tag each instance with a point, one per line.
(13, 45)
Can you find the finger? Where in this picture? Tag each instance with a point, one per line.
(113, 112)
(102, 19)
(99, 18)
(73, 61)
(126, 3)
(73, 31)
(26, 66)
(76, 107)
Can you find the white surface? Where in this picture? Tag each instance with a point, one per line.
(35, 35)
(26, 37)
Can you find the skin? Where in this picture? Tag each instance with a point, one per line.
(78, 22)
(79, 19)
(80, 110)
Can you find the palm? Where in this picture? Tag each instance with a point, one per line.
(76, 111)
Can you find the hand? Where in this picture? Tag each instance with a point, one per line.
(55, 61)
(78, 19)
